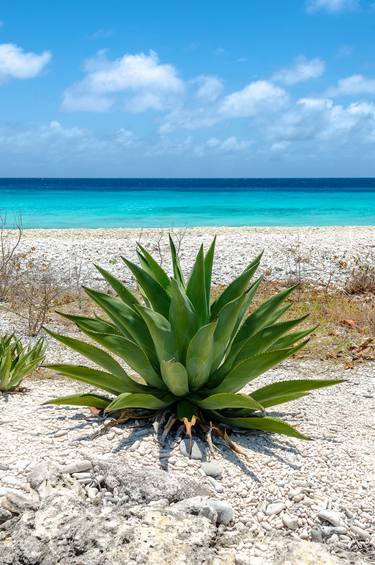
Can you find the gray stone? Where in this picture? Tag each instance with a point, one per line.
(275, 508)
(42, 472)
(330, 516)
(196, 452)
(359, 532)
(316, 534)
(306, 553)
(77, 467)
(66, 530)
(217, 486)
(217, 511)
(224, 511)
(143, 486)
(212, 469)
(4, 515)
(290, 522)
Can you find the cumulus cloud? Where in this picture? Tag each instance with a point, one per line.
(302, 69)
(321, 119)
(230, 146)
(257, 97)
(16, 63)
(209, 87)
(332, 6)
(353, 85)
(140, 80)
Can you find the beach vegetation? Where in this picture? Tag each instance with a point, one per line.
(187, 357)
(17, 361)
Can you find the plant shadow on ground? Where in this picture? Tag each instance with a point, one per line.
(248, 442)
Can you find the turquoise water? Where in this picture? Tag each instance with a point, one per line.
(68, 203)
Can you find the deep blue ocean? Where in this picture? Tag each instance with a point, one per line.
(105, 203)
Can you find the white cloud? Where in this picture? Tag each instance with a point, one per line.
(227, 147)
(257, 97)
(144, 83)
(320, 119)
(301, 70)
(353, 85)
(209, 87)
(332, 6)
(101, 34)
(16, 63)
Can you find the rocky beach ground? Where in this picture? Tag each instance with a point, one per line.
(71, 495)
(321, 255)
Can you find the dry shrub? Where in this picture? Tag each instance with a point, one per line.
(361, 279)
(11, 257)
(36, 292)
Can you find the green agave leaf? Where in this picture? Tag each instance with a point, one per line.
(291, 338)
(134, 356)
(88, 399)
(278, 313)
(154, 292)
(186, 410)
(262, 316)
(127, 320)
(208, 264)
(262, 340)
(139, 400)
(271, 395)
(251, 368)
(100, 379)
(224, 400)
(182, 317)
(235, 288)
(196, 288)
(152, 267)
(98, 356)
(175, 377)
(5, 367)
(265, 424)
(199, 356)
(226, 323)
(121, 290)
(161, 333)
(90, 324)
(177, 272)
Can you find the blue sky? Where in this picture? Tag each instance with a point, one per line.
(172, 89)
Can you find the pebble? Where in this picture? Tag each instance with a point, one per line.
(196, 452)
(212, 469)
(224, 511)
(77, 467)
(60, 433)
(91, 492)
(275, 508)
(330, 516)
(316, 534)
(134, 446)
(359, 532)
(217, 486)
(290, 522)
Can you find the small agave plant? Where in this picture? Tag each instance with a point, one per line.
(17, 361)
(191, 356)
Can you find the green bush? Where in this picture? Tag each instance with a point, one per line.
(17, 361)
(192, 357)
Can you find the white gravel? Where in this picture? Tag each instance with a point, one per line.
(319, 490)
(313, 253)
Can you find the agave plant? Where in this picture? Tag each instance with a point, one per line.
(17, 361)
(192, 356)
